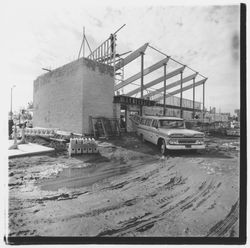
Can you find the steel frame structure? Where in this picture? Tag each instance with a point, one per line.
(106, 53)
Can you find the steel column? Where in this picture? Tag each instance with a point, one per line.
(203, 114)
(193, 98)
(164, 94)
(142, 68)
(181, 114)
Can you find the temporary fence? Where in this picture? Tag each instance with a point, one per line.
(82, 146)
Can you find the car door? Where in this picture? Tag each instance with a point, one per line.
(149, 130)
(154, 132)
(143, 128)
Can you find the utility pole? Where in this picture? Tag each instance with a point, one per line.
(11, 114)
(203, 114)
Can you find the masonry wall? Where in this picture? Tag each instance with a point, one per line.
(67, 96)
(98, 92)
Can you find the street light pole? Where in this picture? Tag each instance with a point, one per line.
(11, 114)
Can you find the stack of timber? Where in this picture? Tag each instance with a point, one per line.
(105, 127)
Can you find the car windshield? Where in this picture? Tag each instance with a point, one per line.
(172, 124)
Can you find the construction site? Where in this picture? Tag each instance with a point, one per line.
(85, 169)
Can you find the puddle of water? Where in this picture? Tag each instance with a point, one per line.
(82, 177)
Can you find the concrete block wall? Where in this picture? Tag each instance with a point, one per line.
(98, 92)
(65, 97)
(116, 110)
(57, 98)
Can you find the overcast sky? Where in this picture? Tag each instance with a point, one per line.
(48, 34)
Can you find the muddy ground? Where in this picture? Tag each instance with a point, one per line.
(128, 189)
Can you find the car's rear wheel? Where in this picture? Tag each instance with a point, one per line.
(163, 148)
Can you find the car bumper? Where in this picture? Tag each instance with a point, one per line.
(185, 147)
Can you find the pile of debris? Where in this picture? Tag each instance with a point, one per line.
(233, 132)
(50, 137)
(214, 128)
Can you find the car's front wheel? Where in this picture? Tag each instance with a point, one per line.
(142, 138)
(163, 148)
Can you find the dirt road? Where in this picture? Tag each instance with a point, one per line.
(129, 189)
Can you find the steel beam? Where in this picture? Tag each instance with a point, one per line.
(156, 81)
(183, 89)
(174, 84)
(131, 57)
(145, 72)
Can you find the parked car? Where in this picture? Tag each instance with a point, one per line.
(169, 133)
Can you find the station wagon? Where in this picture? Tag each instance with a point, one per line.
(169, 133)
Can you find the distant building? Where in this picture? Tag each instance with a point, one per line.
(212, 117)
(237, 112)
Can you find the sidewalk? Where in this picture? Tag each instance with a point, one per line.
(27, 150)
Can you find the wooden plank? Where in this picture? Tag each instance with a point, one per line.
(156, 81)
(145, 72)
(59, 140)
(104, 130)
(131, 57)
(183, 89)
(176, 83)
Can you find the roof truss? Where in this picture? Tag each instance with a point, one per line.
(156, 81)
(145, 72)
(183, 89)
(174, 84)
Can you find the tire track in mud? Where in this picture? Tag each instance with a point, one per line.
(147, 221)
(142, 178)
(222, 227)
(172, 182)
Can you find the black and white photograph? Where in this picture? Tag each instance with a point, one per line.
(126, 122)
